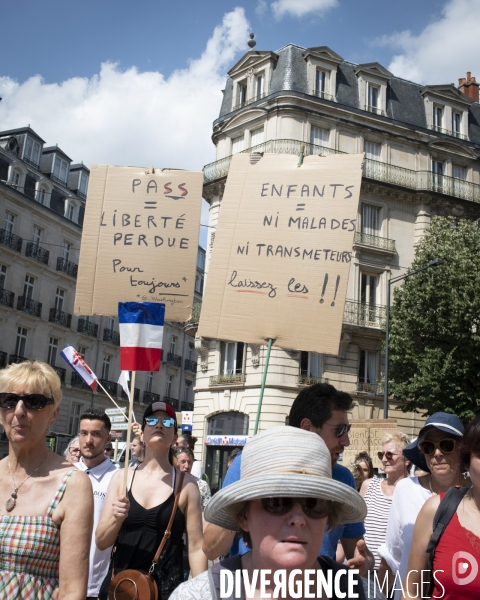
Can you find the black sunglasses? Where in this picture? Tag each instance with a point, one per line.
(388, 455)
(447, 446)
(315, 508)
(31, 401)
(167, 421)
(343, 429)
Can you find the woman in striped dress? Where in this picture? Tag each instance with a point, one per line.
(378, 492)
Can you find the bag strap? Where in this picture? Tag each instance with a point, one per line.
(168, 530)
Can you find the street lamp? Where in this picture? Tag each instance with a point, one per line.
(433, 263)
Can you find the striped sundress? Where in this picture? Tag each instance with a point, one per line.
(30, 554)
(376, 520)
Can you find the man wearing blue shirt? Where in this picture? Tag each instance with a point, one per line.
(322, 409)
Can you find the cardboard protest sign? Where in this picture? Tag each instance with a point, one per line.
(282, 251)
(140, 240)
(366, 436)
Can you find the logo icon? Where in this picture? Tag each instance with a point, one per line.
(468, 563)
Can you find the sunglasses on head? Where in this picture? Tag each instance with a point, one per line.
(388, 455)
(447, 446)
(167, 421)
(31, 401)
(315, 508)
(342, 429)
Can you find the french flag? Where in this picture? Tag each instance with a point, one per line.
(77, 363)
(141, 335)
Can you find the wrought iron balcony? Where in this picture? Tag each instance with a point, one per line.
(174, 359)
(110, 386)
(6, 297)
(11, 240)
(111, 336)
(190, 365)
(60, 318)
(192, 324)
(37, 252)
(29, 161)
(323, 95)
(87, 327)
(27, 305)
(77, 381)
(450, 132)
(57, 179)
(364, 315)
(173, 403)
(149, 397)
(3, 360)
(370, 388)
(60, 372)
(136, 394)
(309, 380)
(250, 101)
(374, 241)
(187, 405)
(15, 359)
(227, 379)
(374, 109)
(65, 266)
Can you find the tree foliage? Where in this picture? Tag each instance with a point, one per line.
(434, 341)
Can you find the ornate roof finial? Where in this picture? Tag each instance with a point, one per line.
(251, 42)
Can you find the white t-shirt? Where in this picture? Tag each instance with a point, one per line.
(100, 477)
(408, 498)
(197, 469)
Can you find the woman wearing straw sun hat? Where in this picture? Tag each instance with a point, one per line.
(282, 503)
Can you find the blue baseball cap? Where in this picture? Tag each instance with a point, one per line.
(442, 421)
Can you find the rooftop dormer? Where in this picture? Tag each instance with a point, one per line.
(322, 63)
(447, 110)
(251, 77)
(56, 164)
(373, 80)
(78, 179)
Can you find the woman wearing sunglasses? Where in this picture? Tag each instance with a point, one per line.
(282, 504)
(378, 492)
(45, 503)
(135, 523)
(435, 451)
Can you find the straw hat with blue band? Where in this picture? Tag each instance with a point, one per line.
(443, 422)
(284, 462)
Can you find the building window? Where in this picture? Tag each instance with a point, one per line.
(437, 118)
(187, 390)
(459, 181)
(149, 381)
(201, 261)
(21, 343)
(82, 351)
(321, 83)
(36, 235)
(31, 151)
(28, 287)
(368, 289)
(41, 193)
(190, 351)
(368, 366)
(74, 423)
(456, 122)
(259, 86)
(257, 136)
(371, 223)
(52, 352)
(199, 284)
(228, 423)
(372, 150)
(59, 299)
(60, 169)
(106, 367)
(311, 364)
(373, 97)
(237, 144)
(241, 94)
(70, 210)
(169, 386)
(319, 136)
(83, 184)
(231, 359)
(3, 276)
(15, 178)
(173, 344)
(8, 222)
(437, 178)
(66, 250)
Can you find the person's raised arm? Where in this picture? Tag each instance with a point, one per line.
(115, 511)
(216, 540)
(193, 521)
(76, 513)
(358, 555)
(418, 557)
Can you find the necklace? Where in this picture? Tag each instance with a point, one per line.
(430, 486)
(12, 501)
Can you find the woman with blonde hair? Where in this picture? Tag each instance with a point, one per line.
(45, 504)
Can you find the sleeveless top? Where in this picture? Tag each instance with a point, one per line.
(458, 556)
(140, 536)
(30, 553)
(376, 520)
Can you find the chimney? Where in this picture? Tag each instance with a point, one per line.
(469, 86)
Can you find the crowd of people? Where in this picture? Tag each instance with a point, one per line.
(70, 526)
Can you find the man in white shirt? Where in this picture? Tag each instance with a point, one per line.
(93, 436)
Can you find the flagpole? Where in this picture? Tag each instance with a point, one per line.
(100, 385)
(262, 389)
(129, 431)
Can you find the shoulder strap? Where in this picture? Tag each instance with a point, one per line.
(168, 530)
(59, 494)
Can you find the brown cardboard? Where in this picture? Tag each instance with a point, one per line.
(140, 240)
(283, 293)
(366, 436)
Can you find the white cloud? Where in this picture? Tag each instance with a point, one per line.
(300, 8)
(444, 51)
(261, 7)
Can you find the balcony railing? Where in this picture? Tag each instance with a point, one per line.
(16, 358)
(450, 132)
(187, 406)
(6, 297)
(37, 252)
(136, 395)
(227, 379)
(77, 381)
(65, 266)
(249, 101)
(174, 359)
(374, 109)
(190, 365)
(110, 386)
(374, 241)
(372, 169)
(370, 388)
(173, 403)
(323, 95)
(61, 372)
(149, 397)
(11, 240)
(111, 336)
(27, 305)
(29, 161)
(364, 315)
(60, 318)
(57, 179)
(87, 327)
(309, 380)
(195, 318)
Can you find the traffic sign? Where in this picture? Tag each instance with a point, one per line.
(119, 419)
(120, 426)
(115, 411)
